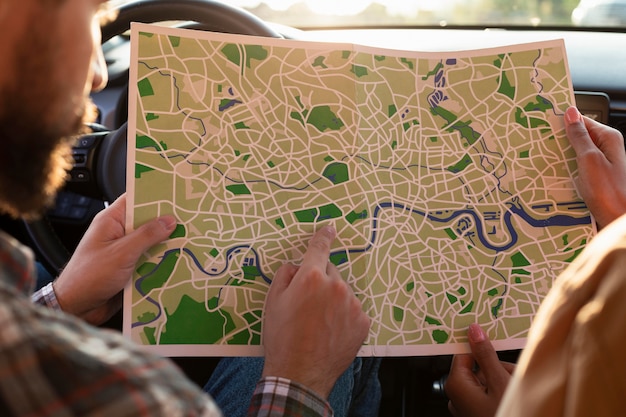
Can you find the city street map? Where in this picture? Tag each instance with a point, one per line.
(448, 177)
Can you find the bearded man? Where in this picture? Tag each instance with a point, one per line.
(53, 361)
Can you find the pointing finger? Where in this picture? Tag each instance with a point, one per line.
(318, 250)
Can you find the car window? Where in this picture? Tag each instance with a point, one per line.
(360, 13)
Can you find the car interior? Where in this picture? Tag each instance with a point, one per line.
(410, 385)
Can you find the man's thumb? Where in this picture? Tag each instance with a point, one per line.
(486, 356)
(153, 232)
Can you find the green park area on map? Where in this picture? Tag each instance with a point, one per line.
(448, 177)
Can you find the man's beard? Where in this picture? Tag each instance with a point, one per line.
(39, 121)
(34, 159)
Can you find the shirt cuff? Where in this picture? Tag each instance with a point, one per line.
(275, 396)
(46, 297)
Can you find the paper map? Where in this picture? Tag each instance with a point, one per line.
(448, 177)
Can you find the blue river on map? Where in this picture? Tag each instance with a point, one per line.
(447, 216)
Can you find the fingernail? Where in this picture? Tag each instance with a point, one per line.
(476, 333)
(168, 222)
(330, 230)
(572, 115)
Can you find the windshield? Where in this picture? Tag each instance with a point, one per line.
(481, 13)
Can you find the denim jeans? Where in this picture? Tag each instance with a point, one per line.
(356, 393)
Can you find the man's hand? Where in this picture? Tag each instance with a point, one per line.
(601, 166)
(313, 323)
(477, 381)
(90, 285)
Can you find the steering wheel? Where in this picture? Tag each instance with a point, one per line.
(99, 170)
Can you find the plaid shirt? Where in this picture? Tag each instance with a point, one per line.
(281, 397)
(53, 364)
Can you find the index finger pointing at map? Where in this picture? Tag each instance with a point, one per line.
(318, 250)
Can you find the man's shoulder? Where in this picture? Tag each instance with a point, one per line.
(16, 264)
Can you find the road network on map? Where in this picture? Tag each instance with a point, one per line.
(447, 176)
